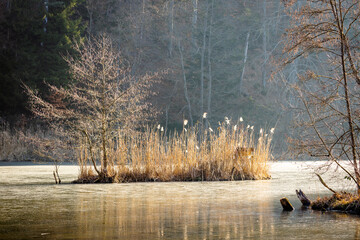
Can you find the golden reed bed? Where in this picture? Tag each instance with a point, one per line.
(230, 152)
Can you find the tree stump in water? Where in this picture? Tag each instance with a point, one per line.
(303, 198)
(286, 204)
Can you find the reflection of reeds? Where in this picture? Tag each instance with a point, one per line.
(195, 154)
(175, 211)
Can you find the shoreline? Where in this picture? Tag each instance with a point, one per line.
(5, 163)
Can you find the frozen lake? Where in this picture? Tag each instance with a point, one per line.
(32, 206)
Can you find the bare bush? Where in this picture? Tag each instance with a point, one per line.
(328, 117)
(102, 99)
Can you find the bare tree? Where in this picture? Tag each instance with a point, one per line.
(103, 99)
(330, 116)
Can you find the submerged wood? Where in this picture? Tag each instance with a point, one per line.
(285, 203)
(339, 202)
(343, 202)
(303, 198)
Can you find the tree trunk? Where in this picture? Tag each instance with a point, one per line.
(185, 84)
(8, 5)
(195, 12)
(340, 26)
(103, 121)
(202, 63)
(264, 46)
(244, 64)
(90, 150)
(103, 139)
(46, 4)
(194, 23)
(349, 117)
(142, 21)
(171, 27)
(90, 12)
(209, 64)
(56, 181)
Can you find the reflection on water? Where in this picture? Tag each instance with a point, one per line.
(208, 210)
(174, 211)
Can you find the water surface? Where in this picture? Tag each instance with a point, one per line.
(33, 207)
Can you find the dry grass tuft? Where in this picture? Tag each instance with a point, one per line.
(33, 142)
(345, 202)
(13, 145)
(195, 154)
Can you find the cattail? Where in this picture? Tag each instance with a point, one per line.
(272, 130)
(252, 127)
(158, 127)
(210, 129)
(261, 130)
(185, 122)
(241, 119)
(205, 115)
(235, 128)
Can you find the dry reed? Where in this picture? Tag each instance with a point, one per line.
(343, 201)
(231, 152)
(13, 146)
(33, 142)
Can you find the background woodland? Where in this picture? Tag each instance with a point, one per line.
(217, 57)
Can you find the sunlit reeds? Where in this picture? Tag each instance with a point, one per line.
(343, 201)
(229, 152)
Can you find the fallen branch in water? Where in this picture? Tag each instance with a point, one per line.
(303, 198)
(343, 201)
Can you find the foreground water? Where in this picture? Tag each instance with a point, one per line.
(31, 206)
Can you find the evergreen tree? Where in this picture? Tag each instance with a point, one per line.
(37, 34)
